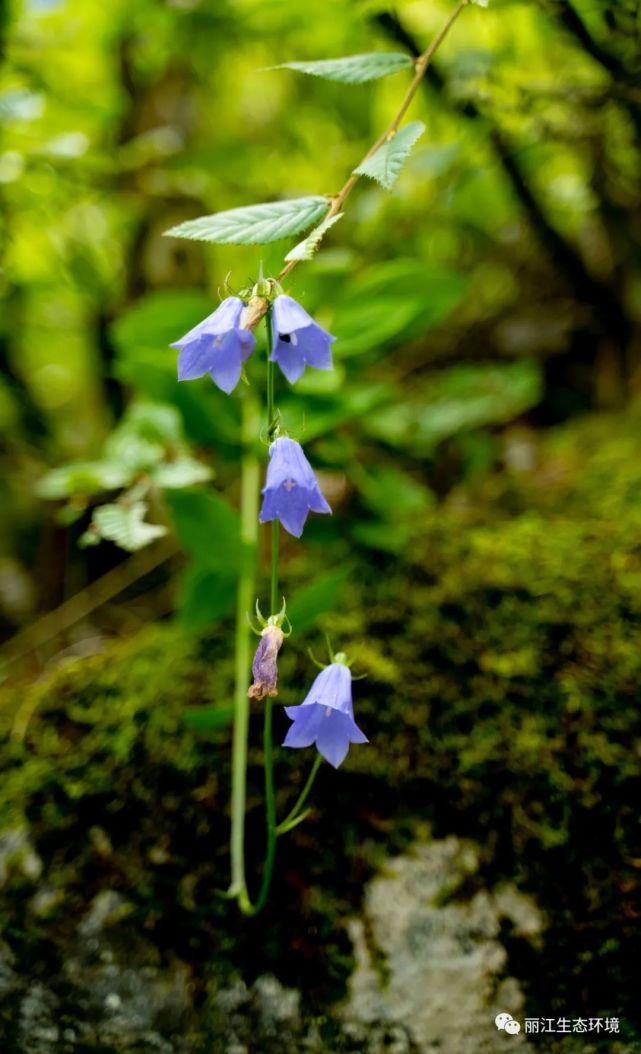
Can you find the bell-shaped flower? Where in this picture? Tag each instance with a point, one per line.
(218, 345)
(291, 489)
(298, 340)
(326, 716)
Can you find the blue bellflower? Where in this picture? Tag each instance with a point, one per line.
(326, 716)
(298, 340)
(218, 345)
(291, 489)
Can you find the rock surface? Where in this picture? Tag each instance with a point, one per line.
(433, 967)
(431, 975)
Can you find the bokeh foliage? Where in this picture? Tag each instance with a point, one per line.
(503, 656)
(484, 572)
(498, 278)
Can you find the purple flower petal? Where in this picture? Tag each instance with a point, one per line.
(193, 361)
(332, 687)
(318, 502)
(291, 488)
(289, 315)
(225, 317)
(291, 509)
(332, 740)
(326, 716)
(304, 728)
(298, 340)
(290, 360)
(331, 744)
(217, 345)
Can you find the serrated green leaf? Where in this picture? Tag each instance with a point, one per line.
(385, 165)
(254, 224)
(306, 249)
(124, 525)
(183, 472)
(353, 69)
(83, 477)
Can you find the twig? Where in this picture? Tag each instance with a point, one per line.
(421, 66)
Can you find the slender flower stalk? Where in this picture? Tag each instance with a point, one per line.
(421, 66)
(219, 346)
(295, 814)
(268, 745)
(245, 596)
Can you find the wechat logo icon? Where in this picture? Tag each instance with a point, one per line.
(506, 1023)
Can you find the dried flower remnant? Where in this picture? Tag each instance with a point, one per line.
(265, 664)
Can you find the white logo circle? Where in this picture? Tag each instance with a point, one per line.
(501, 1020)
(512, 1027)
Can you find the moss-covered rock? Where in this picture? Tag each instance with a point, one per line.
(504, 652)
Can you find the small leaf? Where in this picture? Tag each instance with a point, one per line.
(183, 472)
(385, 165)
(209, 718)
(459, 399)
(124, 525)
(205, 596)
(317, 599)
(208, 528)
(386, 305)
(306, 249)
(83, 477)
(354, 69)
(392, 493)
(380, 536)
(254, 224)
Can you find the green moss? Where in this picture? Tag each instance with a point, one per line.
(502, 703)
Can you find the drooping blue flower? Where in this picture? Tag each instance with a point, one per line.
(218, 345)
(298, 340)
(326, 716)
(291, 489)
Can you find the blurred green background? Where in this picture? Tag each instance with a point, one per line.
(478, 440)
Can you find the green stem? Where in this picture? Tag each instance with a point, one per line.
(268, 761)
(292, 816)
(250, 425)
(268, 747)
(270, 808)
(274, 599)
(270, 387)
